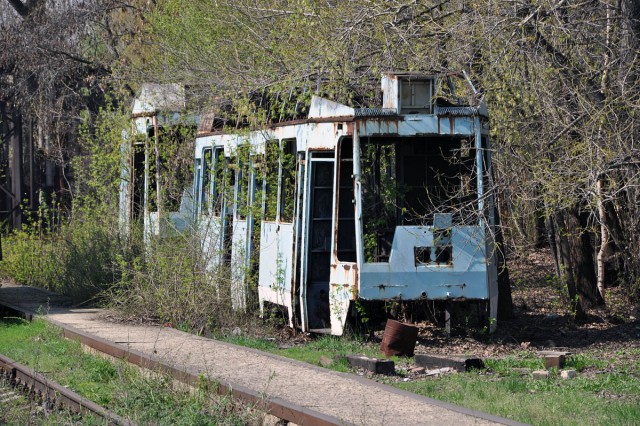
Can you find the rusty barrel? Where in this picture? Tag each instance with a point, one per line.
(399, 338)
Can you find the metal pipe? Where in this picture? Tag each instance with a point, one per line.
(358, 197)
(479, 168)
(158, 185)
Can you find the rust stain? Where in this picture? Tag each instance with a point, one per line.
(354, 284)
(350, 127)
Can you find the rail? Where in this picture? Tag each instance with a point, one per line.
(53, 394)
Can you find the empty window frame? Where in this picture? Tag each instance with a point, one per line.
(405, 181)
(380, 194)
(205, 178)
(346, 242)
(243, 169)
(287, 179)
(415, 96)
(279, 173)
(217, 170)
(271, 171)
(437, 175)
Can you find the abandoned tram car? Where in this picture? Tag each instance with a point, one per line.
(351, 204)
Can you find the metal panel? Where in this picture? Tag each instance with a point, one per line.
(276, 265)
(401, 278)
(239, 267)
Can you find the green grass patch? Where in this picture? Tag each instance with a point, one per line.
(124, 389)
(507, 389)
(332, 347)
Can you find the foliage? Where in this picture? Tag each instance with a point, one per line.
(560, 79)
(75, 255)
(76, 259)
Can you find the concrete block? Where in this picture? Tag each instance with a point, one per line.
(457, 362)
(440, 371)
(374, 365)
(540, 374)
(568, 374)
(554, 361)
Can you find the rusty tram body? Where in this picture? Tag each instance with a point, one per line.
(349, 204)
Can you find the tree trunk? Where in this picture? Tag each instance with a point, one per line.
(604, 240)
(15, 165)
(505, 301)
(575, 255)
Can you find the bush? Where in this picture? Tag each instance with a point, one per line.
(76, 259)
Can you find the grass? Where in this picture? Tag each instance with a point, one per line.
(142, 398)
(544, 402)
(332, 347)
(507, 389)
(601, 394)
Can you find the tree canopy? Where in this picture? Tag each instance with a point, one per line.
(560, 78)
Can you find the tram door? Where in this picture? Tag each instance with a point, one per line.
(318, 247)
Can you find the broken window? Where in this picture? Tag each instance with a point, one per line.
(205, 169)
(438, 175)
(218, 173)
(174, 162)
(406, 181)
(138, 177)
(288, 180)
(243, 167)
(270, 172)
(380, 196)
(280, 175)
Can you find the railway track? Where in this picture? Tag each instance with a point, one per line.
(16, 379)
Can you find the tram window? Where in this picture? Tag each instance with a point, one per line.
(270, 171)
(288, 180)
(198, 180)
(243, 172)
(405, 181)
(346, 214)
(381, 195)
(219, 173)
(205, 172)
